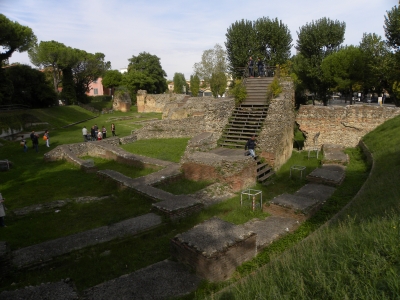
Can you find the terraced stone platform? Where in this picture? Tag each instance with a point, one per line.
(46, 251)
(328, 174)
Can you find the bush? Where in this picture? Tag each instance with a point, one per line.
(103, 98)
(274, 89)
(238, 91)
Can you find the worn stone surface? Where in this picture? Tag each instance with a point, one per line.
(328, 174)
(270, 229)
(213, 236)
(315, 191)
(163, 280)
(341, 125)
(61, 290)
(156, 102)
(47, 250)
(296, 202)
(334, 154)
(213, 194)
(275, 141)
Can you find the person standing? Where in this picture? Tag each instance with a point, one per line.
(2, 211)
(104, 132)
(92, 133)
(96, 130)
(99, 136)
(47, 139)
(35, 142)
(23, 144)
(31, 136)
(260, 67)
(84, 133)
(251, 145)
(113, 129)
(251, 67)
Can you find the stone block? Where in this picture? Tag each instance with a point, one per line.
(214, 248)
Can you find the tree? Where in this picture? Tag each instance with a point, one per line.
(317, 40)
(343, 70)
(149, 67)
(87, 69)
(30, 87)
(112, 78)
(180, 85)
(218, 84)
(212, 61)
(14, 37)
(270, 40)
(52, 55)
(194, 85)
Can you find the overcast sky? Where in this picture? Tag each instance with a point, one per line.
(177, 31)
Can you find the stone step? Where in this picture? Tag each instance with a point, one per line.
(328, 174)
(265, 176)
(230, 145)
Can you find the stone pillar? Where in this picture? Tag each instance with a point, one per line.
(140, 100)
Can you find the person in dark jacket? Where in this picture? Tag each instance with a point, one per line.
(260, 66)
(251, 67)
(35, 142)
(251, 145)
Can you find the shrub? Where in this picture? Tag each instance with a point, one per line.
(274, 89)
(239, 92)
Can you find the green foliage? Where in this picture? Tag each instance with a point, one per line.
(100, 98)
(180, 83)
(238, 91)
(14, 37)
(317, 40)
(112, 78)
(212, 61)
(274, 89)
(6, 88)
(68, 92)
(265, 38)
(392, 23)
(145, 72)
(344, 70)
(30, 87)
(218, 84)
(194, 85)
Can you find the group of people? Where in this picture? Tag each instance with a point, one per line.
(35, 140)
(96, 134)
(260, 67)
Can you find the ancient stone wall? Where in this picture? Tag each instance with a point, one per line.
(275, 140)
(213, 119)
(343, 125)
(155, 102)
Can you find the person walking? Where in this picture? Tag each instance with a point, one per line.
(104, 132)
(35, 142)
(113, 129)
(251, 67)
(99, 136)
(84, 133)
(251, 145)
(46, 137)
(2, 211)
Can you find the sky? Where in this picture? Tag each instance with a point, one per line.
(177, 31)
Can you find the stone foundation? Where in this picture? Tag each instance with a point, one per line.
(275, 141)
(215, 248)
(238, 172)
(155, 102)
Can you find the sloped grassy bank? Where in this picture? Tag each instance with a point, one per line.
(357, 257)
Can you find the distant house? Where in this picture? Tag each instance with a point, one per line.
(171, 86)
(96, 88)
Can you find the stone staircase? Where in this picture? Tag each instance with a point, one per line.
(247, 120)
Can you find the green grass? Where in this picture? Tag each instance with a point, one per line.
(182, 186)
(164, 149)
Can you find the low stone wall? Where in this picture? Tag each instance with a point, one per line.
(155, 102)
(275, 140)
(341, 125)
(213, 120)
(238, 172)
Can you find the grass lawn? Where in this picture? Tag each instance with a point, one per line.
(164, 149)
(182, 186)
